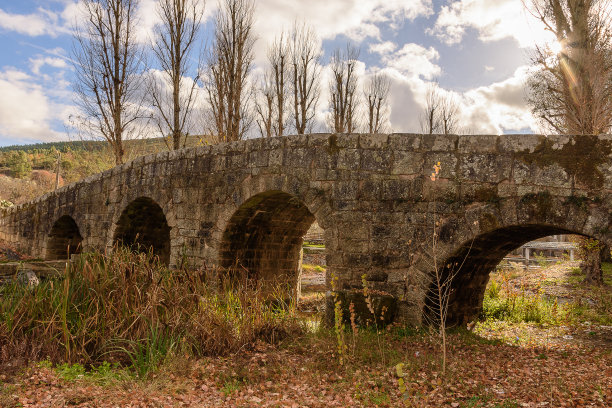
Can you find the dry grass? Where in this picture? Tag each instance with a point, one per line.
(19, 191)
(127, 308)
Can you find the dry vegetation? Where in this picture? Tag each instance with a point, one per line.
(123, 331)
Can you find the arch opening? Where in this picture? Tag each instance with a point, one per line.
(143, 227)
(64, 239)
(472, 264)
(265, 236)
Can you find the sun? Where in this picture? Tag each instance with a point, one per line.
(555, 46)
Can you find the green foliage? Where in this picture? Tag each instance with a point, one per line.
(71, 372)
(58, 146)
(147, 354)
(503, 303)
(19, 163)
(540, 260)
(230, 386)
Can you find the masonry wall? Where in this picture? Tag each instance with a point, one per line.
(372, 194)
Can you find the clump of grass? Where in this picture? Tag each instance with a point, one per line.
(128, 309)
(502, 302)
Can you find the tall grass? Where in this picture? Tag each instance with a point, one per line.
(502, 302)
(127, 308)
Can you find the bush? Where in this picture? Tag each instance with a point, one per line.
(126, 308)
(503, 303)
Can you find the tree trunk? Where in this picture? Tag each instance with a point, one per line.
(591, 266)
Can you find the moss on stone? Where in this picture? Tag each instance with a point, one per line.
(580, 202)
(486, 195)
(488, 222)
(542, 203)
(333, 147)
(579, 158)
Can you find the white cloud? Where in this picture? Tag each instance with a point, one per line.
(356, 19)
(492, 109)
(414, 60)
(383, 48)
(494, 20)
(499, 107)
(28, 109)
(38, 62)
(42, 22)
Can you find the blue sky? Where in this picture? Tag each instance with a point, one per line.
(476, 49)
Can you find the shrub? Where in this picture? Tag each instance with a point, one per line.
(503, 303)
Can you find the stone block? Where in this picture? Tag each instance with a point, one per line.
(378, 161)
(440, 143)
(469, 144)
(373, 141)
(349, 159)
(405, 162)
(405, 141)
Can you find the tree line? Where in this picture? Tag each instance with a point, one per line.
(116, 95)
(569, 91)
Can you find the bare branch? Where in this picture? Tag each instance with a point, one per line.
(571, 92)
(343, 90)
(304, 77)
(441, 112)
(226, 81)
(108, 64)
(173, 93)
(376, 94)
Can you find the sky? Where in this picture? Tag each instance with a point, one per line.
(477, 50)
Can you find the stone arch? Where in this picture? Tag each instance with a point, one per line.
(64, 239)
(264, 236)
(485, 235)
(143, 226)
(476, 259)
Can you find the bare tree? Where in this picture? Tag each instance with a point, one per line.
(429, 117)
(571, 91)
(109, 63)
(376, 94)
(448, 115)
(441, 112)
(304, 77)
(174, 94)
(343, 90)
(271, 106)
(226, 82)
(278, 56)
(265, 106)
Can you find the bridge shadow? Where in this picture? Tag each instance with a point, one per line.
(143, 227)
(64, 239)
(264, 238)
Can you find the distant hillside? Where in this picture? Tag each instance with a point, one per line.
(28, 171)
(150, 145)
(60, 146)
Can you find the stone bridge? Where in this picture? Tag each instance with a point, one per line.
(249, 203)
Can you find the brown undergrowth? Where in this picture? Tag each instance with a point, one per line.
(126, 308)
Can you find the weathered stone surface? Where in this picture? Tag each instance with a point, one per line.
(247, 204)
